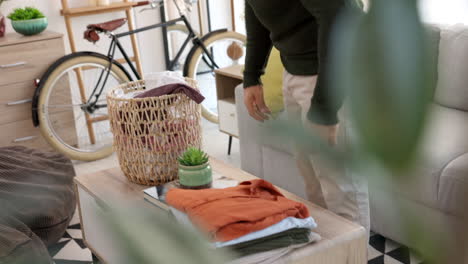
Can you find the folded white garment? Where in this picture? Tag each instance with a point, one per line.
(153, 80)
(119, 93)
(158, 79)
(275, 256)
(283, 225)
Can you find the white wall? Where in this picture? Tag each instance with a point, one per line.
(444, 11)
(150, 42)
(239, 15)
(220, 11)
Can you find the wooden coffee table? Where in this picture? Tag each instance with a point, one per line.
(343, 242)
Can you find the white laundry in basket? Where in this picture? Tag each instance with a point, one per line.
(158, 79)
(154, 80)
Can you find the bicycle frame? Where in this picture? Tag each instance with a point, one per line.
(91, 103)
(191, 36)
(170, 64)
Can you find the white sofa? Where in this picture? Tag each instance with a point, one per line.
(439, 184)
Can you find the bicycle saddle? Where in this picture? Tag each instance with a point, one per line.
(91, 32)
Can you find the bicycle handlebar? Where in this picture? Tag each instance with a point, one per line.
(142, 3)
(157, 3)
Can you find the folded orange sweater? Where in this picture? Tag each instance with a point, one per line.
(230, 213)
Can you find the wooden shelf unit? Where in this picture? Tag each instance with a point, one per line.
(92, 10)
(227, 79)
(68, 13)
(127, 5)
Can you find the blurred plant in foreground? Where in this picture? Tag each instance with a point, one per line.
(148, 235)
(382, 60)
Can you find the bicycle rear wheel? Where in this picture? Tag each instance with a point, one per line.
(66, 117)
(227, 49)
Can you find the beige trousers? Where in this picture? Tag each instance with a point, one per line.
(331, 186)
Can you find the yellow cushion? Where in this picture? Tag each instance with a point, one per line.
(273, 81)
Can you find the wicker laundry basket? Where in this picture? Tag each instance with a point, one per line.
(150, 133)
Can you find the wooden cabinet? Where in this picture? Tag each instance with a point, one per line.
(227, 116)
(22, 60)
(227, 79)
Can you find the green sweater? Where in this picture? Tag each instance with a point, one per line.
(300, 30)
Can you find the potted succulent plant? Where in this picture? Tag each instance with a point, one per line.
(2, 21)
(194, 169)
(28, 21)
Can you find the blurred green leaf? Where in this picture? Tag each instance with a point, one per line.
(147, 235)
(292, 131)
(380, 59)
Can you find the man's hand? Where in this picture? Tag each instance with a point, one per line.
(328, 133)
(253, 99)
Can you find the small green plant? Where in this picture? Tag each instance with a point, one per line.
(26, 13)
(193, 157)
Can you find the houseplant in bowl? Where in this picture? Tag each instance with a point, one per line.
(28, 21)
(194, 169)
(2, 20)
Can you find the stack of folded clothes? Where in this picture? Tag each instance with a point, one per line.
(250, 218)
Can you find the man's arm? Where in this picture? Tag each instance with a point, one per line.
(325, 102)
(258, 48)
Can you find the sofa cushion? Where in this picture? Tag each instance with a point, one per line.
(36, 188)
(280, 168)
(254, 132)
(453, 188)
(438, 176)
(18, 244)
(452, 87)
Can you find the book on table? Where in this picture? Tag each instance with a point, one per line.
(157, 194)
(287, 234)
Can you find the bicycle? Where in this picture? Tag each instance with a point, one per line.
(75, 86)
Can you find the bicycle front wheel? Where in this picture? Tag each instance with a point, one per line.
(72, 111)
(227, 48)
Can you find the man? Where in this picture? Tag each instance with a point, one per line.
(300, 30)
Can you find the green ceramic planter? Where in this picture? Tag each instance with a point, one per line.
(195, 177)
(30, 27)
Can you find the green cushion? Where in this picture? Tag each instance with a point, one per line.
(273, 81)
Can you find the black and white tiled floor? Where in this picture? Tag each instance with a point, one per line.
(72, 250)
(382, 250)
